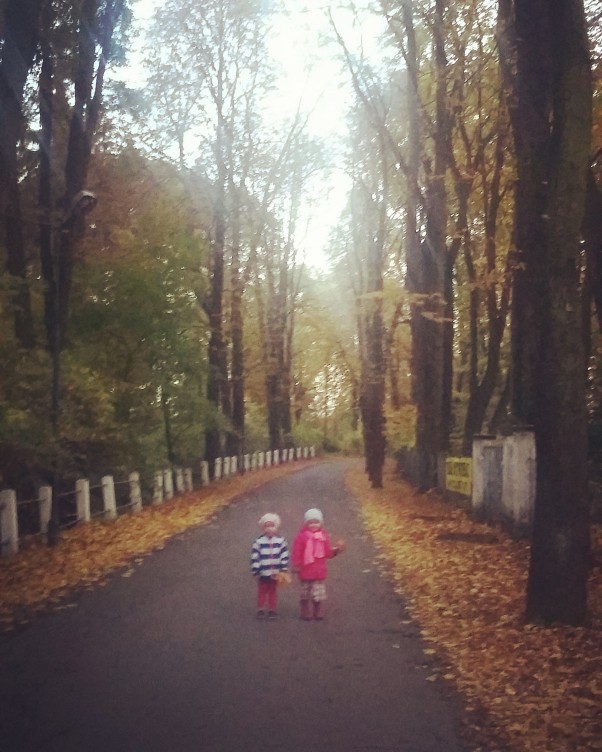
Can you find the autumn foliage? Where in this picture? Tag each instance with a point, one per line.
(525, 688)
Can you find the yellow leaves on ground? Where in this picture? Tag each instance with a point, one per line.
(529, 689)
(40, 577)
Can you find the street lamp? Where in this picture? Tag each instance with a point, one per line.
(82, 203)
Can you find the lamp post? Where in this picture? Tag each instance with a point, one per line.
(83, 202)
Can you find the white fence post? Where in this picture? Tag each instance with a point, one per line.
(158, 488)
(188, 479)
(108, 497)
(312, 452)
(9, 526)
(276, 457)
(268, 458)
(204, 473)
(179, 480)
(217, 468)
(305, 453)
(135, 495)
(168, 483)
(247, 463)
(226, 469)
(45, 496)
(82, 499)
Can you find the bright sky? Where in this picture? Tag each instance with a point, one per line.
(311, 74)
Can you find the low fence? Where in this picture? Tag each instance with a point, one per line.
(109, 498)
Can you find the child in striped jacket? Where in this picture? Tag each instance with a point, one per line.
(269, 557)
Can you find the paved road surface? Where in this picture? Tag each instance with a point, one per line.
(172, 659)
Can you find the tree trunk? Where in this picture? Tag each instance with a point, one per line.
(214, 306)
(427, 269)
(552, 121)
(235, 438)
(592, 234)
(19, 30)
(274, 354)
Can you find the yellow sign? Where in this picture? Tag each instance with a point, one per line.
(458, 475)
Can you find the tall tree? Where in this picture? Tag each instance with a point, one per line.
(19, 38)
(551, 118)
(218, 50)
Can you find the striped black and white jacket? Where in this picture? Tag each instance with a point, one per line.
(269, 555)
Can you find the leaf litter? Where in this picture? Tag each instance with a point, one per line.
(526, 688)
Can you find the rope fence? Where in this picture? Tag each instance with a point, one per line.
(110, 498)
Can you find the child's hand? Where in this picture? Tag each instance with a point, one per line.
(339, 546)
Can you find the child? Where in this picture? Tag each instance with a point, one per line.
(311, 550)
(269, 557)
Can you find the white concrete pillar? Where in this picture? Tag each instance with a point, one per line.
(217, 472)
(261, 459)
(519, 476)
(298, 453)
(305, 452)
(135, 492)
(168, 484)
(9, 525)
(179, 480)
(45, 496)
(226, 469)
(312, 452)
(108, 497)
(276, 456)
(204, 473)
(247, 463)
(82, 499)
(158, 488)
(268, 458)
(486, 479)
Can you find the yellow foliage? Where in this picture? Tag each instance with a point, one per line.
(401, 426)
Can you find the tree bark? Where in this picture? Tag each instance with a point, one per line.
(552, 127)
(20, 34)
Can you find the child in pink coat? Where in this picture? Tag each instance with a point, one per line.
(311, 550)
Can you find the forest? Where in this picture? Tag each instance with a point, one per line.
(158, 309)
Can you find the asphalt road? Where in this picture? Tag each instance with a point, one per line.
(172, 658)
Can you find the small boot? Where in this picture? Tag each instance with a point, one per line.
(318, 616)
(305, 615)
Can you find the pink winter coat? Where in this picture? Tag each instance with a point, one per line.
(310, 553)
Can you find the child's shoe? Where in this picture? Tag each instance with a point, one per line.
(305, 615)
(272, 615)
(260, 614)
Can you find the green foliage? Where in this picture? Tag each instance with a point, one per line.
(133, 371)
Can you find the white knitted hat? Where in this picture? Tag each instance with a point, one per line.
(269, 517)
(314, 514)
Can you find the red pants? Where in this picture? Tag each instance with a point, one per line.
(266, 591)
